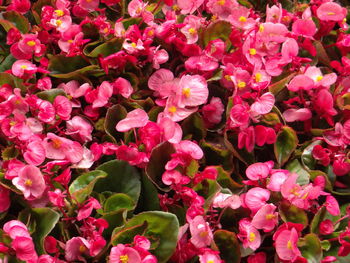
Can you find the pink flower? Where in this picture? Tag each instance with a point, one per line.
(162, 81)
(15, 228)
(170, 130)
(57, 198)
(79, 129)
(75, 248)
(73, 89)
(4, 199)
(174, 177)
(239, 116)
(222, 8)
(63, 107)
(190, 148)
(30, 181)
(256, 198)
(300, 82)
(331, 11)
(264, 135)
(276, 180)
(226, 200)
(86, 210)
(239, 18)
(264, 104)
(210, 257)
(23, 68)
(192, 91)
(21, 6)
(89, 5)
(24, 248)
(212, 112)
(259, 257)
(266, 218)
(123, 254)
(286, 244)
(46, 111)
(134, 119)
(326, 227)
(258, 171)
(189, 6)
(201, 232)
(319, 79)
(104, 93)
(60, 148)
(35, 153)
(123, 87)
(332, 206)
(248, 234)
(292, 115)
(176, 113)
(136, 8)
(304, 27)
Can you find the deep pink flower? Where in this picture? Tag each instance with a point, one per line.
(332, 206)
(301, 82)
(104, 93)
(63, 107)
(190, 148)
(239, 116)
(174, 177)
(23, 68)
(30, 181)
(259, 257)
(57, 198)
(4, 199)
(134, 119)
(86, 210)
(210, 256)
(123, 87)
(212, 112)
(75, 248)
(326, 227)
(35, 153)
(304, 27)
(201, 233)
(122, 254)
(21, 6)
(189, 6)
(79, 128)
(24, 248)
(266, 218)
(286, 244)
(331, 11)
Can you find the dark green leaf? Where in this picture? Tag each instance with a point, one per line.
(228, 245)
(291, 213)
(303, 175)
(285, 144)
(20, 21)
(278, 86)
(311, 248)
(50, 94)
(114, 114)
(220, 29)
(107, 48)
(118, 201)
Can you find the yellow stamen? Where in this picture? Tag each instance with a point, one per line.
(13, 123)
(124, 258)
(82, 249)
(58, 22)
(186, 92)
(56, 143)
(70, 41)
(289, 245)
(150, 33)
(105, 30)
(221, 2)
(210, 261)
(258, 77)
(214, 18)
(24, 67)
(241, 84)
(138, 10)
(319, 78)
(176, 8)
(261, 28)
(172, 109)
(88, 1)
(133, 44)
(28, 182)
(270, 216)
(31, 43)
(59, 12)
(252, 51)
(252, 237)
(228, 77)
(331, 13)
(192, 31)
(242, 19)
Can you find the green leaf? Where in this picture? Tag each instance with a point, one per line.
(225, 180)
(292, 213)
(6, 64)
(320, 216)
(6, 78)
(216, 154)
(194, 127)
(160, 155)
(118, 201)
(160, 227)
(121, 178)
(207, 189)
(107, 48)
(228, 245)
(114, 114)
(220, 29)
(82, 186)
(7, 25)
(278, 86)
(9, 153)
(306, 157)
(303, 175)
(322, 55)
(20, 21)
(149, 195)
(45, 219)
(51, 94)
(285, 144)
(311, 248)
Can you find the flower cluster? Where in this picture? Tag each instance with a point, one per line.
(177, 131)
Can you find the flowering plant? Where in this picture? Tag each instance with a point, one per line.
(174, 131)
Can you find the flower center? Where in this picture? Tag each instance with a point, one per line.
(172, 109)
(124, 258)
(192, 31)
(252, 51)
(31, 43)
(221, 2)
(289, 245)
(261, 28)
(319, 78)
(228, 77)
(258, 77)
(270, 216)
(28, 182)
(56, 143)
(210, 261)
(133, 44)
(186, 92)
(242, 19)
(82, 249)
(58, 22)
(59, 12)
(203, 234)
(252, 237)
(241, 84)
(331, 13)
(24, 67)
(70, 41)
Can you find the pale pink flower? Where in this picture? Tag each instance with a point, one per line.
(162, 81)
(60, 148)
(277, 179)
(192, 91)
(264, 104)
(226, 200)
(190, 148)
(290, 49)
(176, 113)
(189, 6)
(35, 153)
(266, 218)
(46, 111)
(89, 5)
(104, 93)
(15, 228)
(174, 177)
(133, 47)
(319, 79)
(248, 234)
(61, 24)
(300, 82)
(79, 128)
(30, 181)
(73, 88)
(258, 171)
(271, 32)
(331, 11)
(123, 87)
(158, 56)
(134, 119)
(221, 8)
(286, 244)
(201, 233)
(274, 13)
(136, 8)
(122, 254)
(190, 30)
(210, 257)
(23, 68)
(302, 114)
(239, 18)
(256, 198)
(75, 248)
(170, 130)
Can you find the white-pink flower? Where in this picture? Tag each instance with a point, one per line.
(134, 119)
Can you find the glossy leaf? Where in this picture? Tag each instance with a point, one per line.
(310, 247)
(20, 21)
(51, 94)
(221, 29)
(228, 245)
(114, 114)
(303, 175)
(82, 186)
(285, 144)
(278, 86)
(117, 202)
(291, 213)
